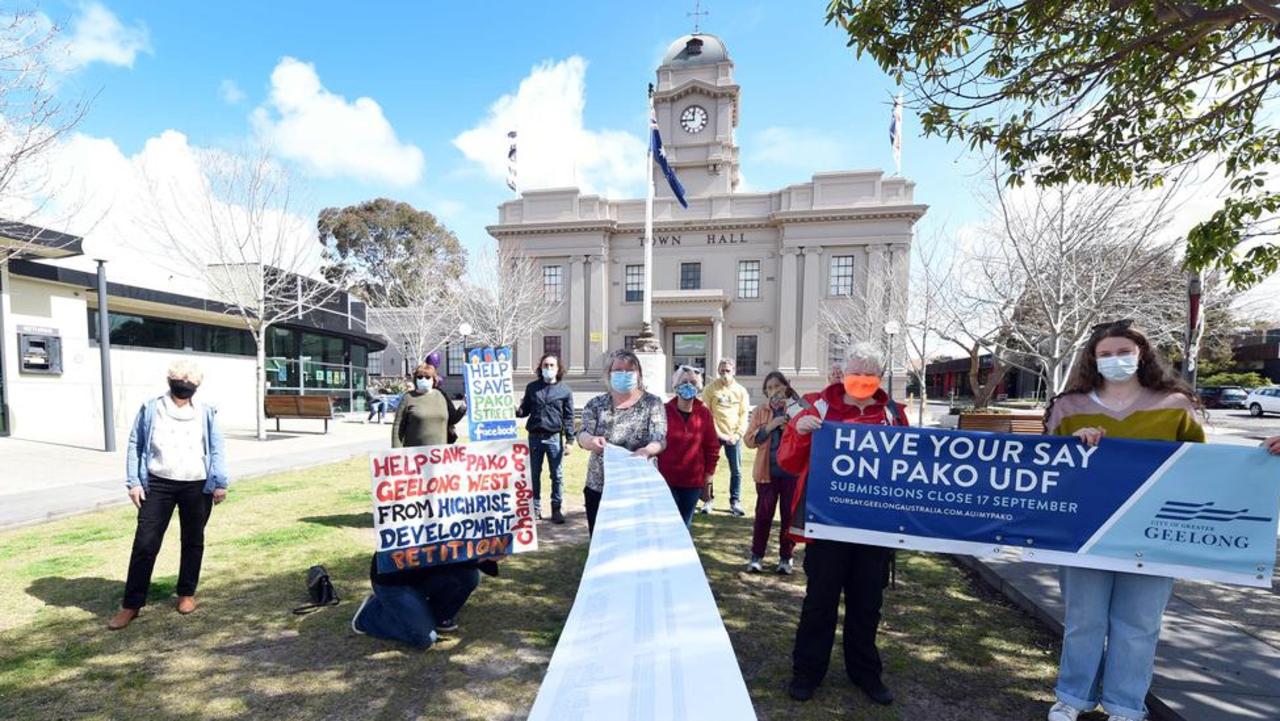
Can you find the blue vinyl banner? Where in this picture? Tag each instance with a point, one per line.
(491, 400)
(1188, 510)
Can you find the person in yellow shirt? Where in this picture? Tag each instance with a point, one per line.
(730, 406)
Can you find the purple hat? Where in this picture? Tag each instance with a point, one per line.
(433, 358)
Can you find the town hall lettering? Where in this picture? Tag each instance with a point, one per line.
(711, 239)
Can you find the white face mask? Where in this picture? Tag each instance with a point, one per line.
(548, 375)
(422, 384)
(1118, 368)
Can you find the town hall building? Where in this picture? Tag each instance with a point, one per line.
(736, 274)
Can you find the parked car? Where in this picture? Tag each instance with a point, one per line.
(1263, 400)
(1223, 396)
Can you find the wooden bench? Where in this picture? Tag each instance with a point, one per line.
(309, 407)
(1024, 423)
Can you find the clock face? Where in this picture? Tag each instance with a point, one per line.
(693, 119)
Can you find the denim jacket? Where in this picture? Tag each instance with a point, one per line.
(139, 453)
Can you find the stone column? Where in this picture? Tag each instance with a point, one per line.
(809, 330)
(577, 318)
(598, 313)
(717, 345)
(788, 301)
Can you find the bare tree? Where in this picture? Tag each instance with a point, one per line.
(32, 122)
(505, 299)
(236, 232)
(419, 314)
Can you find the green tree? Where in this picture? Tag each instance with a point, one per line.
(382, 247)
(1108, 92)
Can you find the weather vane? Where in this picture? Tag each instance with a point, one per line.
(697, 11)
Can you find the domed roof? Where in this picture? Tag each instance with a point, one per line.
(698, 49)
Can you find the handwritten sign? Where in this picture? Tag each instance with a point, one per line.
(491, 400)
(434, 505)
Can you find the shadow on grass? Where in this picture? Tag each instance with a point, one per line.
(342, 520)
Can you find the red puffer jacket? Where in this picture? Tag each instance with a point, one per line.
(793, 452)
(693, 448)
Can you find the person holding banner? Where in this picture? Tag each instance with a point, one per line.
(730, 405)
(426, 416)
(626, 416)
(774, 485)
(693, 448)
(1120, 388)
(548, 404)
(859, 572)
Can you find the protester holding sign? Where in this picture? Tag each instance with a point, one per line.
(857, 571)
(426, 416)
(693, 448)
(1120, 388)
(548, 404)
(626, 416)
(774, 485)
(730, 405)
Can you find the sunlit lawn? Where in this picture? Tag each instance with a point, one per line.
(952, 650)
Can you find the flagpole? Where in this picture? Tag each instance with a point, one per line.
(646, 341)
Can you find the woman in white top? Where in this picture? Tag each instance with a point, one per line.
(175, 459)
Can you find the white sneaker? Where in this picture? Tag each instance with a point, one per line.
(1063, 712)
(363, 603)
(706, 507)
(756, 565)
(784, 566)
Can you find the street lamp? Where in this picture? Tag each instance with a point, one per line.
(100, 252)
(464, 330)
(891, 329)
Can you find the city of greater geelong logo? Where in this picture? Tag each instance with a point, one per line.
(1199, 524)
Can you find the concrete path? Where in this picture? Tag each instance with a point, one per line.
(40, 481)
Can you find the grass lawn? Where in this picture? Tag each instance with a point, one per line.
(952, 650)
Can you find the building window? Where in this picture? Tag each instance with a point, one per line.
(139, 331)
(842, 275)
(629, 342)
(635, 284)
(453, 359)
(745, 354)
(835, 350)
(748, 279)
(551, 345)
(690, 276)
(552, 283)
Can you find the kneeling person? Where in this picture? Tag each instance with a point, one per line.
(415, 607)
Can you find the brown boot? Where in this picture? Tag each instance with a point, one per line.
(186, 604)
(122, 618)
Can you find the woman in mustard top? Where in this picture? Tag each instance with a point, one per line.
(1120, 388)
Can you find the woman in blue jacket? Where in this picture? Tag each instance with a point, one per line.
(175, 458)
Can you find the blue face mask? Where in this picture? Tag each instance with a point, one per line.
(687, 391)
(623, 381)
(548, 375)
(1118, 368)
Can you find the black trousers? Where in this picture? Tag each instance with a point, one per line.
(194, 507)
(859, 572)
(592, 500)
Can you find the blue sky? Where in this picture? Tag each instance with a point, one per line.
(219, 73)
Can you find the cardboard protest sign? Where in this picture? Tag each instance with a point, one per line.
(491, 400)
(1124, 505)
(435, 505)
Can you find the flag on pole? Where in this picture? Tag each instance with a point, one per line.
(655, 147)
(511, 162)
(895, 133)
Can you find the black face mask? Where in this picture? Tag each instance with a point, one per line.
(182, 390)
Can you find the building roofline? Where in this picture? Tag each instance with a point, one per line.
(36, 241)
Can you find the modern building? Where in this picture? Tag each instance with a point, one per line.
(737, 274)
(50, 378)
(949, 379)
(1258, 352)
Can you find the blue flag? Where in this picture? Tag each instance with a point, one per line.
(655, 144)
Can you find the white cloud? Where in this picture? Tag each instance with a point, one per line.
(97, 35)
(797, 149)
(230, 92)
(330, 136)
(555, 149)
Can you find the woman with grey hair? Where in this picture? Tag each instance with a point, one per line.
(693, 447)
(176, 459)
(833, 568)
(626, 416)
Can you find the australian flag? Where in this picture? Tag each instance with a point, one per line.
(655, 145)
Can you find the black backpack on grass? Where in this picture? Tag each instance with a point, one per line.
(320, 590)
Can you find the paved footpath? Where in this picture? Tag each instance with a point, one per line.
(1219, 655)
(41, 481)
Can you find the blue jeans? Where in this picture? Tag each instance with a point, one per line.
(686, 502)
(1109, 643)
(732, 453)
(411, 613)
(546, 444)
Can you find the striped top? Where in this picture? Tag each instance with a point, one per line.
(1153, 416)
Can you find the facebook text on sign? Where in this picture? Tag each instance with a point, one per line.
(1138, 506)
(435, 505)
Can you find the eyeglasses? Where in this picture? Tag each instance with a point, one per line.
(1112, 325)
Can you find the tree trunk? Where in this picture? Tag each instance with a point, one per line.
(260, 387)
(982, 392)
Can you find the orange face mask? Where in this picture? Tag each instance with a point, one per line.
(861, 387)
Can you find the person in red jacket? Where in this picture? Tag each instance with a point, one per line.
(857, 571)
(693, 447)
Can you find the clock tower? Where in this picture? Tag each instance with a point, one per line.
(696, 103)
